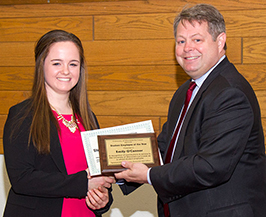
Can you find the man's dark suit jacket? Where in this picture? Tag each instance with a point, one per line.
(219, 167)
(38, 182)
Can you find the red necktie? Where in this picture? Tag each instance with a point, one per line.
(192, 85)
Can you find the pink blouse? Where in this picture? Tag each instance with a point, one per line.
(75, 161)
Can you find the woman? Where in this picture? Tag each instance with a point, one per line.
(43, 150)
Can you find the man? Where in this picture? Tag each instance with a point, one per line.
(217, 167)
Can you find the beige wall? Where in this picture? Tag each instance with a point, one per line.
(129, 48)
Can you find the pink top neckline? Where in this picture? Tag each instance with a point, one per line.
(75, 161)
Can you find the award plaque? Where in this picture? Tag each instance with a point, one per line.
(138, 147)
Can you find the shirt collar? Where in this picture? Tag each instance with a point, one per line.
(199, 81)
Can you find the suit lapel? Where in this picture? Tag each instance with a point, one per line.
(175, 111)
(204, 86)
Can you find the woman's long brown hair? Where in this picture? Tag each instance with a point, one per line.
(42, 115)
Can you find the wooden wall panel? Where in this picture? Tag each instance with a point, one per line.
(17, 2)
(254, 50)
(225, 5)
(136, 52)
(144, 52)
(129, 47)
(9, 98)
(137, 26)
(16, 78)
(243, 23)
(17, 54)
(81, 9)
(255, 74)
(33, 28)
(116, 7)
(138, 103)
(148, 26)
(124, 103)
(131, 52)
(2, 123)
(150, 77)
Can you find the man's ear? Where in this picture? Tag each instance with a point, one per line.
(221, 39)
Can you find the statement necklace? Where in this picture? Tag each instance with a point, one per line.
(71, 125)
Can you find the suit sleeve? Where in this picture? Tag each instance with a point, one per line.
(220, 135)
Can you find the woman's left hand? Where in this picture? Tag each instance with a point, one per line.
(97, 198)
